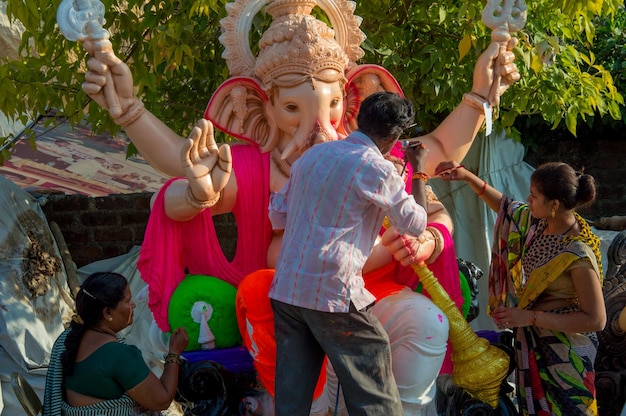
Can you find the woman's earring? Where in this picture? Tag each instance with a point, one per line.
(553, 213)
(110, 318)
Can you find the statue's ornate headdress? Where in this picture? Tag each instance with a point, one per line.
(296, 42)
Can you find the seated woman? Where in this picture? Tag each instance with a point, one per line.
(93, 372)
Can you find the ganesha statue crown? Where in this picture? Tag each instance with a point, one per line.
(280, 8)
(298, 44)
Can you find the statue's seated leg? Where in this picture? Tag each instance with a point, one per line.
(418, 334)
(256, 324)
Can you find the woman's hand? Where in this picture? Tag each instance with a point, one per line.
(157, 393)
(512, 317)
(451, 171)
(179, 341)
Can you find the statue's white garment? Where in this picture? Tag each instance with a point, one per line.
(418, 334)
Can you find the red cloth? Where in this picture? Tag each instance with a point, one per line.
(381, 282)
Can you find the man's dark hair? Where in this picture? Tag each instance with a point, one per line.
(384, 115)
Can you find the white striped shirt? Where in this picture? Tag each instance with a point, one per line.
(332, 209)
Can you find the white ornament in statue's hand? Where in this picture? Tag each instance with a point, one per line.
(207, 166)
(82, 20)
(503, 17)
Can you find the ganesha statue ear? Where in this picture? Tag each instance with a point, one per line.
(238, 108)
(364, 80)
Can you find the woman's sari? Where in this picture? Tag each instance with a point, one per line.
(555, 370)
(55, 405)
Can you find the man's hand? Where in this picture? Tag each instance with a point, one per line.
(408, 250)
(416, 155)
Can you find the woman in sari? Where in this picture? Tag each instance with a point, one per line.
(545, 282)
(92, 372)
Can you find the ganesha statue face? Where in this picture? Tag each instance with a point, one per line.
(305, 116)
(304, 87)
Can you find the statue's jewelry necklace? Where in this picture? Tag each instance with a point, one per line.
(283, 166)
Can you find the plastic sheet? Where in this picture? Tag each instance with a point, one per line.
(35, 300)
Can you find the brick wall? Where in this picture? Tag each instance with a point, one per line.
(603, 159)
(99, 228)
(105, 227)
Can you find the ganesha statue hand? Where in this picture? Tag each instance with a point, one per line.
(207, 168)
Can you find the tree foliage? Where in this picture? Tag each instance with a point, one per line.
(431, 47)
(435, 45)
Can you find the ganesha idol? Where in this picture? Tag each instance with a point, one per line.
(303, 88)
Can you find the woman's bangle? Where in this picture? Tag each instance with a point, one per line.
(172, 361)
(482, 189)
(421, 176)
(534, 321)
(172, 358)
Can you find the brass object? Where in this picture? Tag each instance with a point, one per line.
(479, 367)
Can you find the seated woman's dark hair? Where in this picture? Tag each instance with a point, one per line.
(558, 180)
(385, 115)
(99, 291)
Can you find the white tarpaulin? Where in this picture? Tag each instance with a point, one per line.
(34, 296)
(35, 299)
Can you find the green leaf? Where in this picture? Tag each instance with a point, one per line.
(442, 14)
(570, 121)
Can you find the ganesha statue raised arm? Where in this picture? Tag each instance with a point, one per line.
(304, 87)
